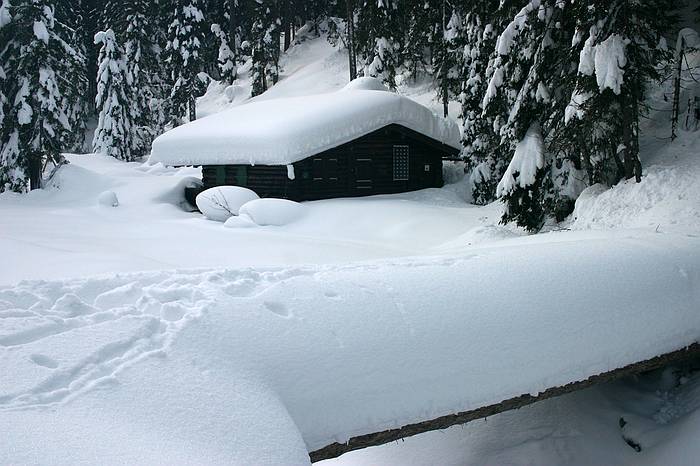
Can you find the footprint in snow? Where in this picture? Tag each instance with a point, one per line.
(277, 308)
(44, 361)
(331, 295)
(172, 312)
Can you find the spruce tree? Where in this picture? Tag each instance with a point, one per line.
(618, 58)
(34, 59)
(495, 93)
(143, 77)
(228, 70)
(265, 37)
(478, 138)
(182, 55)
(379, 40)
(447, 58)
(70, 26)
(114, 132)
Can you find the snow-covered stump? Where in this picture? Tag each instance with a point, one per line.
(335, 450)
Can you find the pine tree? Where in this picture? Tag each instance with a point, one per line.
(265, 38)
(113, 135)
(619, 55)
(259, 61)
(70, 24)
(523, 186)
(424, 20)
(486, 149)
(228, 70)
(447, 59)
(478, 135)
(379, 40)
(38, 123)
(144, 81)
(5, 19)
(182, 54)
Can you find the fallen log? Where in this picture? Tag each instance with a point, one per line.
(359, 442)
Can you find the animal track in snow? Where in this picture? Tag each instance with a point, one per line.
(99, 327)
(277, 308)
(45, 361)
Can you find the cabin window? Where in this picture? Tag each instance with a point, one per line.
(220, 175)
(324, 169)
(400, 163)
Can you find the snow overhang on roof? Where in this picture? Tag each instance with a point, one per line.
(287, 130)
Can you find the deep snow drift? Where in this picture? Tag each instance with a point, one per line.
(330, 352)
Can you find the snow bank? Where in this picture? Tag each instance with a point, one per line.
(222, 202)
(666, 200)
(237, 365)
(276, 212)
(285, 130)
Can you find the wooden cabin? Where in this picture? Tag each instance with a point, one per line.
(359, 141)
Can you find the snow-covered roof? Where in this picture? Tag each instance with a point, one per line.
(287, 130)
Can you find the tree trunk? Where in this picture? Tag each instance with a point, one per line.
(380, 438)
(286, 26)
(350, 26)
(35, 163)
(193, 108)
(233, 36)
(630, 135)
(677, 91)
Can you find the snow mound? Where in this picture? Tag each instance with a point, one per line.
(239, 221)
(666, 200)
(286, 130)
(221, 202)
(108, 199)
(273, 212)
(366, 83)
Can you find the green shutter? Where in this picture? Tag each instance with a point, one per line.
(220, 175)
(242, 176)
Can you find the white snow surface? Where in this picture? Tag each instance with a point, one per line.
(286, 130)
(194, 357)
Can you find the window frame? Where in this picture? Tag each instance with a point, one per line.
(401, 162)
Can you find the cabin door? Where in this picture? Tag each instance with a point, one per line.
(364, 175)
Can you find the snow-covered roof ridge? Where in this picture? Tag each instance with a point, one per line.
(287, 130)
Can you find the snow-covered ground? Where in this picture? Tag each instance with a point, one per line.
(148, 334)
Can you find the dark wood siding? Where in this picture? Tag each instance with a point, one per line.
(362, 167)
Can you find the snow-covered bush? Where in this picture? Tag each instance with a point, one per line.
(108, 199)
(271, 211)
(365, 83)
(222, 202)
